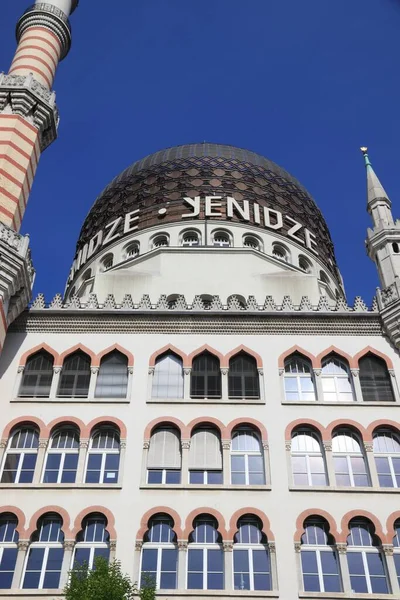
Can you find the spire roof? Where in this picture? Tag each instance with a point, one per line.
(375, 189)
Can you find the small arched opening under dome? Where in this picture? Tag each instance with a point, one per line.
(172, 300)
(324, 277)
(238, 299)
(207, 301)
(253, 242)
(251, 559)
(159, 560)
(396, 247)
(161, 240)
(281, 252)
(107, 262)
(37, 375)
(221, 239)
(304, 264)
(132, 250)
(319, 558)
(205, 569)
(92, 541)
(190, 238)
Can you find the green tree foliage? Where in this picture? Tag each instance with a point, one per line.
(105, 582)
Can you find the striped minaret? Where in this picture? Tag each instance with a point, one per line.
(28, 124)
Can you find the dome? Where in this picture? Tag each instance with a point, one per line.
(165, 178)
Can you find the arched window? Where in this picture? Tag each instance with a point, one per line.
(132, 250)
(221, 239)
(308, 462)
(164, 457)
(205, 456)
(190, 238)
(387, 458)
(160, 241)
(336, 380)
(103, 457)
(206, 376)
(37, 376)
(112, 380)
(168, 377)
(107, 262)
(251, 561)
(376, 385)
(299, 380)
(160, 554)
(62, 457)
(247, 461)
(319, 559)
(92, 541)
(250, 241)
(45, 555)
(280, 252)
(349, 459)
(8, 549)
(243, 379)
(20, 457)
(205, 556)
(75, 376)
(366, 562)
(305, 264)
(396, 544)
(324, 277)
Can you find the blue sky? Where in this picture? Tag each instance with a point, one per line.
(304, 83)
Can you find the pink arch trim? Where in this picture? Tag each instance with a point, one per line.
(18, 513)
(95, 509)
(206, 420)
(383, 423)
(163, 350)
(144, 523)
(246, 421)
(365, 436)
(352, 514)
(241, 348)
(370, 350)
(49, 509)
(204, 348)
(160, 421)
(97, 359)
(205, 510)
(318, 513)
(28, 353)
(250, 511)
(392, 518)
(306, 423)
(344, 355)
(298, 350)
(66, 353)
(43, 431)
(66, 421)
(105, 420)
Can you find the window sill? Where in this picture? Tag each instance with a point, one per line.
(354, 403)
(205, 401)
(336, 595)
(60, 486)
(73, 400)
(344, 489)
(22, 594)
(219, 593)
(195, 486)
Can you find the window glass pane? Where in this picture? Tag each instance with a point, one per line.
(354, 560)
(82, 556)
(149, 559)
(309, 561)
(262, 581)
(168, 377)
(375, 563)
(112, 380)
(332, 583)
(311, 583)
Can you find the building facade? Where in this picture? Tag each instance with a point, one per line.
(202, 403)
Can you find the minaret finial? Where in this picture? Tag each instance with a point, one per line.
(374, 186)
(364, 150)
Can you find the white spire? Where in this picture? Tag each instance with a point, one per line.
(378, 202)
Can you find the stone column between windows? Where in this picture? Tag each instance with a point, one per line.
(136, 562)
(182, 564)
(113, 550)
(150, 383)
(273, 566)
(267, 466)
(226, 461)
(224, 387)
(130, 384)
(261, 383)
(318, 385)
(289, 470)
(357, 385)
(344, 567)
(391, 568)
(299, 570)
(83, 447)
(3, 446)
(145, 454)
(18, 379)
(228, 565)
(55, 382)
(23, 546)
(68, 546)
(369, 453)
(122, 453)
(94, 371)
(330, 466)
(187, 371)
(394, 385)
(37, 475)
(185, 445)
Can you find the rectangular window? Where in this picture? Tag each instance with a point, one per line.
(171, 476)
(160, 565)
(206, 477)
(367, 573)
(205, 569)
(19, 468)
(61, 468)
(8, 559)
(43, 568)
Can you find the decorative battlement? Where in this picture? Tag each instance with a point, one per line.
(179, 304)
(23, 95)
(50, 17)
